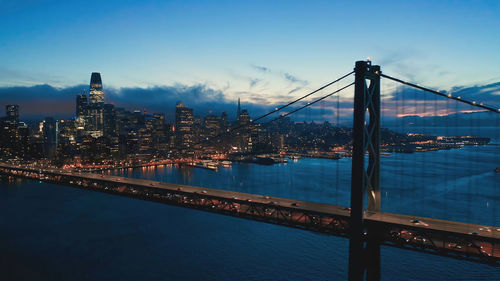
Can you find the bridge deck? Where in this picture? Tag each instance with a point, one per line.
(455, 239)
(433, 224)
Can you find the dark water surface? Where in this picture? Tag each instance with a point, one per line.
(51, 232)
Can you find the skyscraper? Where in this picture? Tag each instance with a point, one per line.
(50, 133)
(183, 125)
(81, 105)
(223, 121)
(96, 106)
(9, 130)
(245, 136)
(96, 94)
(12, 111)
(239, 110)
(158, 131)
(244, 118)
(212, 125)
(109, 127)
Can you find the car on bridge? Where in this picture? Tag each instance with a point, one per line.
(419, 222)
(454, 246)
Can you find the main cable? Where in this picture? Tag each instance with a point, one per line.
(449, 96)
(303, 97)
(308, 104)
(231, 130)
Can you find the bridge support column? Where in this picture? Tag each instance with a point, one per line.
(373, 256)
(364, 252)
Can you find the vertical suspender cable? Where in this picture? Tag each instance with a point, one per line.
(416, 190)
(424, 155)
(337, 174)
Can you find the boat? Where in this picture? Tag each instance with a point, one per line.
(212, 165)
(226, 163)
(497, 170)
(294, 157)
(264, 160)
(280, 160)
(209, 166)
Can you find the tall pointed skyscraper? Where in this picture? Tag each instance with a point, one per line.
(96, 106)
(96, 94)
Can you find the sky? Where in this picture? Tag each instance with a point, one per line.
(264, 52)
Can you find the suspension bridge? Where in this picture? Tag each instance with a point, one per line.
(363, 223)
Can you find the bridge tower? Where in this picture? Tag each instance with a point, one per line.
(364, 249)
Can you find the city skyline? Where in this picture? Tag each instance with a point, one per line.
(222, 52)
(101, 132)
(41, 101)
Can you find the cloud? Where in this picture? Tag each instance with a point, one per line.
(288, 77)
(294, 90)
(294, 79)
(13, 77)
(254, 82)
(403, 101)
(38, 101)
(413, 65)
(43, 100)
(261, 68)
(163, 99)
(481, 93)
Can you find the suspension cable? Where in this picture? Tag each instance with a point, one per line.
(449, 96)
(303, 97)
(231, 130)
(308, 104)
(281, 116)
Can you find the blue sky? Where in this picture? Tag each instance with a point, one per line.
(261, 51)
